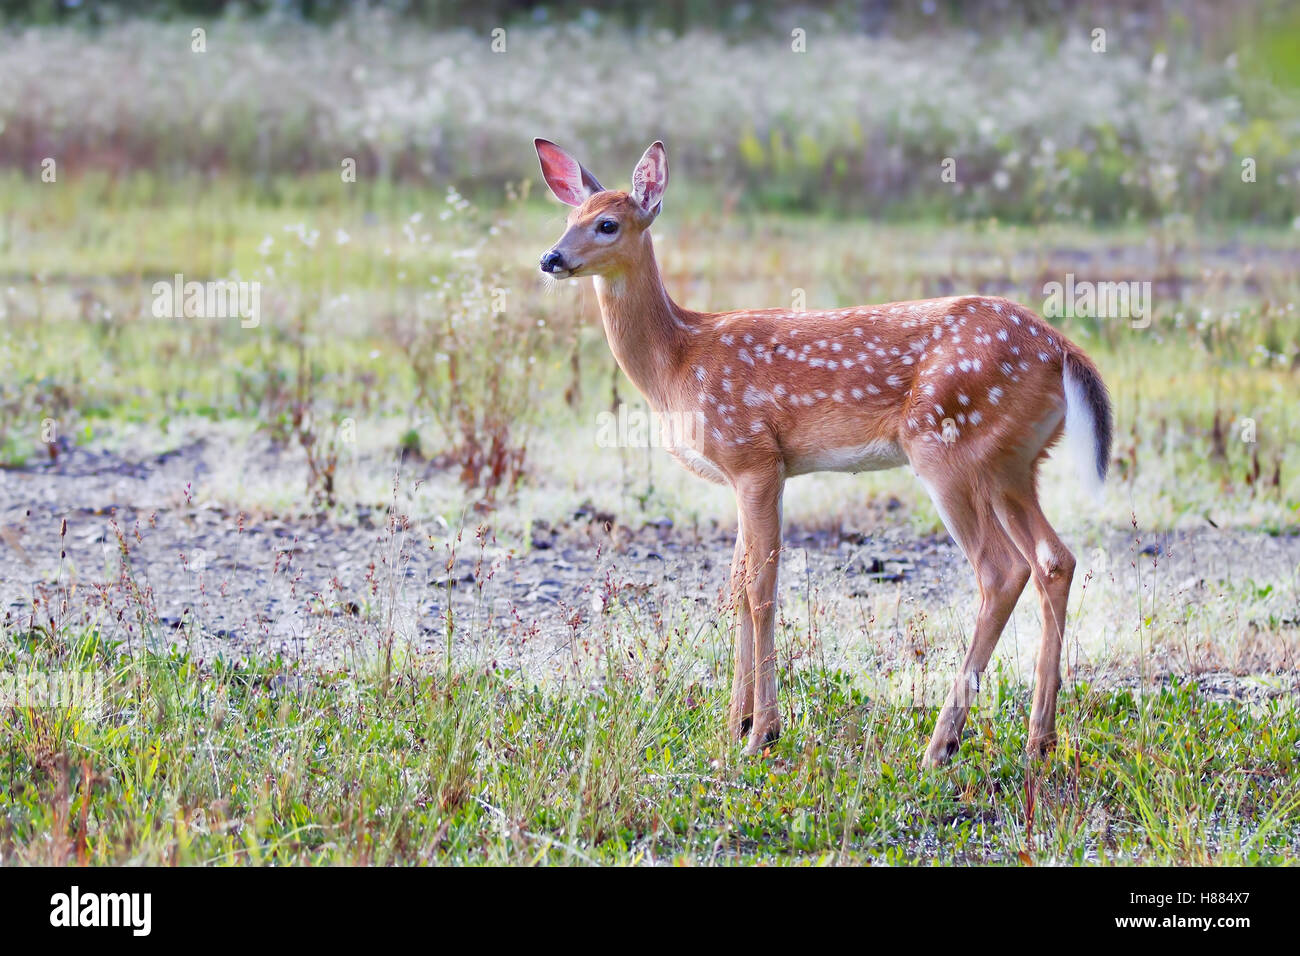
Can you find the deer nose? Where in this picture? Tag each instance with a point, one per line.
(552, 261)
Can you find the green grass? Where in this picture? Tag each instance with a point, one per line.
(268, 763)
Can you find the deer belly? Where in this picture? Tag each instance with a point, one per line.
(873, 456)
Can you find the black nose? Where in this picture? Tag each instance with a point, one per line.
(552, 261)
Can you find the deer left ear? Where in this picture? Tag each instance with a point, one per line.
(650, 179)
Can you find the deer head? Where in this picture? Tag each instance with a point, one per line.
(607, 227)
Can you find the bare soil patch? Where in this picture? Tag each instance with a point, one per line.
(225, 583)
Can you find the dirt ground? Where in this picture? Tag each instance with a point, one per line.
(231, 584)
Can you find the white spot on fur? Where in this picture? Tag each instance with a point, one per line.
(1046, 558)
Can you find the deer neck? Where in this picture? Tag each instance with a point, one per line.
(645, 328)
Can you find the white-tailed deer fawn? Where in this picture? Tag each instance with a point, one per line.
(970, 391)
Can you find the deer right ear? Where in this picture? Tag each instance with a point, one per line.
(568, 178)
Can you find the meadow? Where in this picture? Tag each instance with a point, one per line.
(363, 581)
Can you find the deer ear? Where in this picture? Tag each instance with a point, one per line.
(650, 179)
(568, 178)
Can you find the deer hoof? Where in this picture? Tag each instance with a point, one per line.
(1040, 745)
(739, 727)
(759, 740)
(940, 752)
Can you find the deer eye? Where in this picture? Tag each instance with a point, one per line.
(607, 226)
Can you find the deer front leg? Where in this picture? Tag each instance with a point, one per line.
(758, 497)
(741, 716)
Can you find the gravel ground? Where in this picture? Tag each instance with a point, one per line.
(233, 585)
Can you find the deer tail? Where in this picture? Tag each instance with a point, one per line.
(1089, 422)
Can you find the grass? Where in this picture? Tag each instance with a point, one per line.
(268, 763)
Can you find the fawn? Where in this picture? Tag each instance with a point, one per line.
(969, 391)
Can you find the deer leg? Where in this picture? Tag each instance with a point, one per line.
(1001, 574)
(741, 716)
(1053, 570)
(758, 496)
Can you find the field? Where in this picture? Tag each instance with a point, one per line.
(389, 572)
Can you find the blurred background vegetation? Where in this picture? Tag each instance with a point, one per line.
(1041, 124)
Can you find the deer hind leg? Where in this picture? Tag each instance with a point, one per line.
(741, 717)
(1001, 574)
(1053, 570)
(758, 498)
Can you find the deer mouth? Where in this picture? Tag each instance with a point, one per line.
(555, 265)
